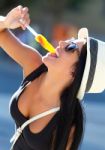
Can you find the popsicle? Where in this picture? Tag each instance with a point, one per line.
(42, 40)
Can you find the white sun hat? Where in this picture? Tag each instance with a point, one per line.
(93, 80)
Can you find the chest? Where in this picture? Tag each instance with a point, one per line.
(29, 99)
(30, 105)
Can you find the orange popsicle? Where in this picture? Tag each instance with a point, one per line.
(42, 40)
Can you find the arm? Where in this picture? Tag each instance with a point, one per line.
(27, 57)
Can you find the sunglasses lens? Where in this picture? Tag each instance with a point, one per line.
(71, 47)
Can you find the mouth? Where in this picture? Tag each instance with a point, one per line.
(55, 55)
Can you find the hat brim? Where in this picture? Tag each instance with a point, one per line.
(83, 34)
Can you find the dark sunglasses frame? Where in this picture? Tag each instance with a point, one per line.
(71, 47)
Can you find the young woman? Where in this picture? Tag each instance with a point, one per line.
(49, 82)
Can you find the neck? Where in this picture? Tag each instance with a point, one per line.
(51, 87)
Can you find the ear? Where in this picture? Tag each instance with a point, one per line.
(83, 33)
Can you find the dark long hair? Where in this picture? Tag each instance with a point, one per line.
(71, 112)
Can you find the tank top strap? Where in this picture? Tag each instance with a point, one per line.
(34, 74)
(21, 128)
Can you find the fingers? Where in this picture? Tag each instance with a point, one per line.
(25, 21)
(24, 16)
(24, 11)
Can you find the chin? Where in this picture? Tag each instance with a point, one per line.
(49, 62)
(44, 60)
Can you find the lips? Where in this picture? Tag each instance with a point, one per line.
(52, 55)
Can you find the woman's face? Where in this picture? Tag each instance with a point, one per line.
(63, 61)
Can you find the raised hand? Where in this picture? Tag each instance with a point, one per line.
(12, 19)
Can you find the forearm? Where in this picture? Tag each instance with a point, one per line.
(21, 53)
(11, 44)
(24, 55)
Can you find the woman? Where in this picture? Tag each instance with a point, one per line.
(51, 81)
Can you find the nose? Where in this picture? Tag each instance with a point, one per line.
(62, 44)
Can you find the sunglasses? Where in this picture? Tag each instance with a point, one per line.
(71, 47)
